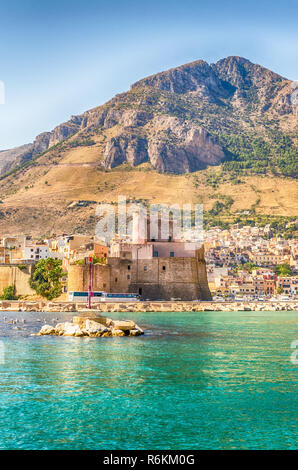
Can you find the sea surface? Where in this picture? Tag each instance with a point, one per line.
(194, 381)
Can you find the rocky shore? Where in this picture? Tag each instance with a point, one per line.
(95, 326)
(149, 306)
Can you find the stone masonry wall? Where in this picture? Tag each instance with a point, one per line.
(13, 276)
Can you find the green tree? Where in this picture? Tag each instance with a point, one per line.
(46, 278)
(97, 260)
(247, 267)
(9, 293)
(283, 270)
(279, 290)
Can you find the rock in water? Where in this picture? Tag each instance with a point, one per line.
(73, 330)
(124, 325)
(93, 328)
(136, 331)
(116, 332)
(47, 330)
(61, 327)
(90, 327)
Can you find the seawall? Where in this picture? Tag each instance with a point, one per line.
(45, 306)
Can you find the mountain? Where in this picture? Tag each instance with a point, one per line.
(213, 123)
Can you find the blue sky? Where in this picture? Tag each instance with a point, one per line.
(63, 57)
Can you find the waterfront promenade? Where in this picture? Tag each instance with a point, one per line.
(147, 306)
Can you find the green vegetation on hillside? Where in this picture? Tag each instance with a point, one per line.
(279, 225)
(253, 155)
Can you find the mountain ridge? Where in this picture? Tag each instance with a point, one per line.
(226, 137)
(229, 82)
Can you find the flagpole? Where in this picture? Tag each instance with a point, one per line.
(90, 283)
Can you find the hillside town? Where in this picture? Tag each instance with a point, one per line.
(248, 262)
(242, 263)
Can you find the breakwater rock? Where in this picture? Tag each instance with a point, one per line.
(96, 326)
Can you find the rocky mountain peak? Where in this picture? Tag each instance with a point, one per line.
(179, 119)
(196, 77)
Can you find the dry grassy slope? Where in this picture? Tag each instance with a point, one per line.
(37, 200)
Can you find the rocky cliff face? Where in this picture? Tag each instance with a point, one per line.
(182, 120)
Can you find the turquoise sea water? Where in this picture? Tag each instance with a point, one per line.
(194, 381)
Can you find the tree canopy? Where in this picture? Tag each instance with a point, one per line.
(283, 270)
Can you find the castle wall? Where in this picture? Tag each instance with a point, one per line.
(155, 278)
(166, 278)
(78, 278)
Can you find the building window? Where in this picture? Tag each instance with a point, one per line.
(128, 276)
(140, 290)
(155, 254)
(163, 268)
(172, 254)
(116, 279)
(145, 268)
(128, 267)
(104, 285)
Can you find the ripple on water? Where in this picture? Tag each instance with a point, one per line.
(193, 381)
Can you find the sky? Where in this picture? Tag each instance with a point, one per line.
(61, 58)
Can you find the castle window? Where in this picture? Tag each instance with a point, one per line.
(155, 254)
(172, 254)
(163, 268)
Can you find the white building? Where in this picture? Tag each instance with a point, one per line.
(36, 252)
